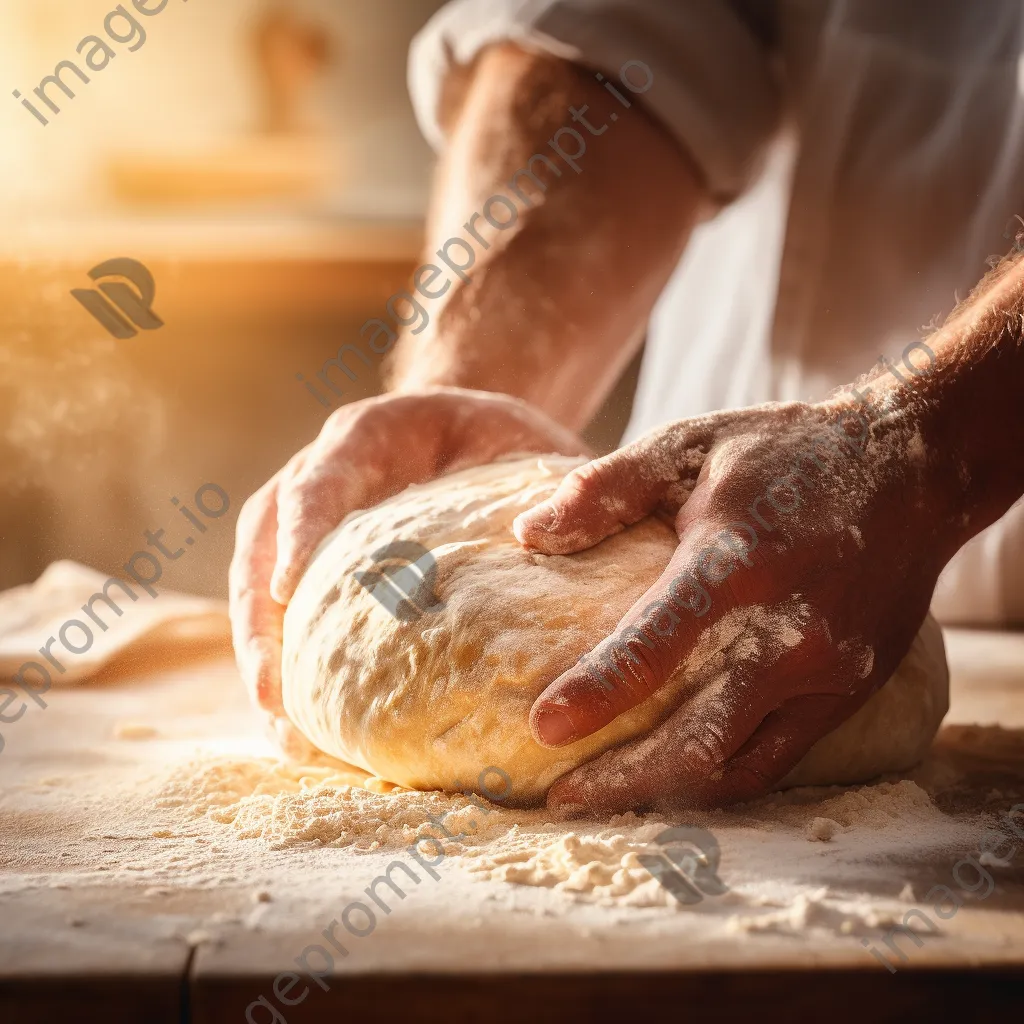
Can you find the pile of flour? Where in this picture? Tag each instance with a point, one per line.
(281, 807)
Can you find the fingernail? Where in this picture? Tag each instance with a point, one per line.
(542, 517)
(555, 727)
(571, 796)
(566, 804)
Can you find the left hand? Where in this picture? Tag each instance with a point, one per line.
(366, 452)
(797, 588)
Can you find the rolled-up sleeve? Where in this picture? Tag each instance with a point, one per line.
(714, 85)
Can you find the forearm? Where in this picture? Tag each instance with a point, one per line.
(552, 307)
(961, 409)
(979, 391)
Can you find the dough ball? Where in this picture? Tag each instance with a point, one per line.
(894, 729)
(433, 697)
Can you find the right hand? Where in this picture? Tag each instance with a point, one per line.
(806, 562)
(366, 452)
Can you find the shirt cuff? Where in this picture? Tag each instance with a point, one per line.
(713, 85)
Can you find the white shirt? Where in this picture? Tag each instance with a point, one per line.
(867, 157)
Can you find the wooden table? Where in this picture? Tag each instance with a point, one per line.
(77, 948)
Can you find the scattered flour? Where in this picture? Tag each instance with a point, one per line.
(287, 806)
(284, 806)
(269, 836)
(604, 866)
(821, 829)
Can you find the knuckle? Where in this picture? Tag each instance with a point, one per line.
(632, 677)
(344, 416)
(588, 686)
(300, 477)
(303, 502)
(592, 481)
(704, 748)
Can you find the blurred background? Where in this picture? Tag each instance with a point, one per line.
(260, 157)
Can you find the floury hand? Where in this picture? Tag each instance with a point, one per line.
(366, 452)
(781, 511)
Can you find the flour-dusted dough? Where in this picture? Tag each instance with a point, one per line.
(432, 702)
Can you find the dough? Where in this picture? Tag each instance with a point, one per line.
(433, 701)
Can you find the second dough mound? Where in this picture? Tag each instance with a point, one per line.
(430, 702)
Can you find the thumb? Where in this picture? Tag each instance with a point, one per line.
(595, 501)
(678, 757)
(742, 730)
(654, 639)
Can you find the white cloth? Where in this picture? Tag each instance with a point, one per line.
(91, 625)
(868, 157)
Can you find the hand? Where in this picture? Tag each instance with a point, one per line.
(366, 452)
(808, 552)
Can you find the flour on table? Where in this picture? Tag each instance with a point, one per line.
(282, 806)
(269, 841)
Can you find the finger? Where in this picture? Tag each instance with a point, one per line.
(695, 743)
(594, 501)
(370, 454)
(512, 425)
(659, 470)
(735, 740)
(351, 466)
(318, 489)
(654, 640)
(778, 746)
(257, 620)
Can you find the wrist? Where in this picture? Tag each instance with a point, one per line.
(904, 456)
(422, 363)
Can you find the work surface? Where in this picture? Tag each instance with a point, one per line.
(117, 905)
